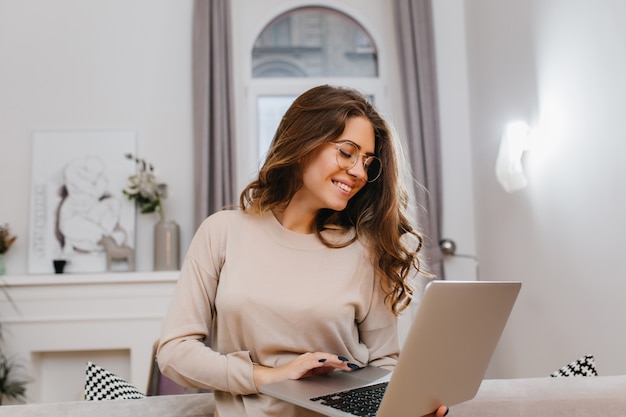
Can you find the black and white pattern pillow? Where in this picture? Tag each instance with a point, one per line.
(584, 366)
(101, 384)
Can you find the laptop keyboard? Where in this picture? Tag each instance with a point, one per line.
(363, 402)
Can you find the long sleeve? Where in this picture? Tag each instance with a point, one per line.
(379, 331)
(182, 354)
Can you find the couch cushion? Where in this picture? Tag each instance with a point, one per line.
(584, 366)
(101, 384)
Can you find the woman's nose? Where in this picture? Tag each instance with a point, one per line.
(358, 171)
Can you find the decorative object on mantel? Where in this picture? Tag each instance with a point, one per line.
(74, 198)
(149, 194)
(6, 240)
(117, 253)
(59, 265)
(166, 245)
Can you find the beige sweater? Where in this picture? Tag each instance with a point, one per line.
(264, 294)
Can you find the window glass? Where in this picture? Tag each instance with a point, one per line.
(270, 111)
(314, 42)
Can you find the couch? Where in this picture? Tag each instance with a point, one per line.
(526, 397)
(555, 397)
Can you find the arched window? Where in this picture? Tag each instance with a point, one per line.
(298, 49)
(314, 42)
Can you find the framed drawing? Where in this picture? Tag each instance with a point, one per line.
(76, 203)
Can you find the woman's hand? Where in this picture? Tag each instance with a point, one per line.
(305, 365)
(441, 412)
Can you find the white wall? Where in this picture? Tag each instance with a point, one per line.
(558, 64)
(105, 65)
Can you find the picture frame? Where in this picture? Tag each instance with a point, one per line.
(76, 200)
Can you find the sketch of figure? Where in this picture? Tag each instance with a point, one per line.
(87, 211)
(76, 199)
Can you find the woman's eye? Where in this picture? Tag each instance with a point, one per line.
(345, 154)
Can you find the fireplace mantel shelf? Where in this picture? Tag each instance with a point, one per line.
(10, 281)
(57, 321)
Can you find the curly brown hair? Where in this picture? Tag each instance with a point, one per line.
(377, 212)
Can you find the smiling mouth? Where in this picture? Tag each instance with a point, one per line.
(343, 186)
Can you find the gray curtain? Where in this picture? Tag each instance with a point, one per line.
(214, 138)
(417, 59)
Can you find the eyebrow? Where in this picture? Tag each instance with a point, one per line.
(358, 147)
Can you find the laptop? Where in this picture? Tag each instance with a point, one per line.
(442, 362)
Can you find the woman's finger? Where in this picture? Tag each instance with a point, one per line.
(442, 411)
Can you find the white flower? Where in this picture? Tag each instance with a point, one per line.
(144, 188)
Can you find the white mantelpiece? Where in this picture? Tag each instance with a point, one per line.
(63, 320)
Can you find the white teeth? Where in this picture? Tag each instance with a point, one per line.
(343, 186)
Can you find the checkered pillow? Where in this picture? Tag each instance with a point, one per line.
(584, 366)
(101, 384)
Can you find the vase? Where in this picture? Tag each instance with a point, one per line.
(2, 264)
(166, 246)
(59, 265)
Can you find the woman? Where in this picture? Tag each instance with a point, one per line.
(309, 275)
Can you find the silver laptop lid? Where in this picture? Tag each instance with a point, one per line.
(443, 360)
(449, 345)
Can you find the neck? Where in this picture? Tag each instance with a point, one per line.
(295, 221)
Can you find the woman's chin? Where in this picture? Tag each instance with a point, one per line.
(338, 206)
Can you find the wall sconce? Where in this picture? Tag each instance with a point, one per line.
(509, 172)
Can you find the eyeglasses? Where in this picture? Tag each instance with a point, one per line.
(348, 155)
